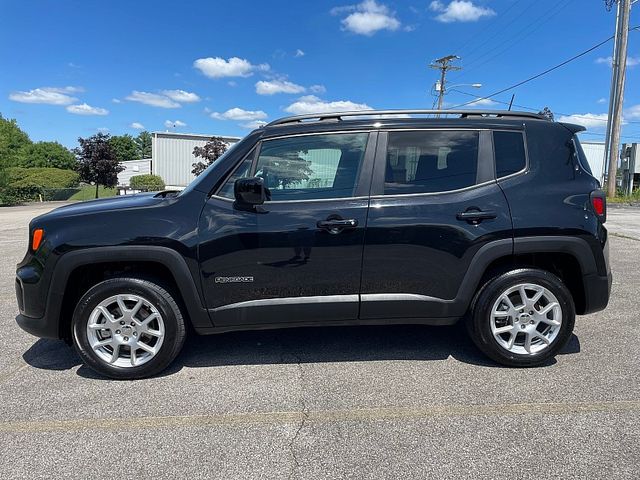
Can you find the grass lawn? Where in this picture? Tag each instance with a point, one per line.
(89, 193)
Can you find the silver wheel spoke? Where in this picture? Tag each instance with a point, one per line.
(133, 355)
(527, 342)
(553, 323)
(543, 338)
(523, 296)
(115, 354)
(100, 344)
(146, 348)
(501, 330)
(547, 308)
(517, 329)
(116, 341)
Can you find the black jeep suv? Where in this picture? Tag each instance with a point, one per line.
(387, 217)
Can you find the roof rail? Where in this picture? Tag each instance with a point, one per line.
(337, 116)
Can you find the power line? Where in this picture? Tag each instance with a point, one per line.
(549, 70)
(507, 44)
(537, 109)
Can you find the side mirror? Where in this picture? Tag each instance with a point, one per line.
(249, 192)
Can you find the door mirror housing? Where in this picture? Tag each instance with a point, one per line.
(249, 192)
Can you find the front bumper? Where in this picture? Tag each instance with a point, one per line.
(40, 327)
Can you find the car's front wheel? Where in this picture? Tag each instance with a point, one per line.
(522, 318)
(128, 328)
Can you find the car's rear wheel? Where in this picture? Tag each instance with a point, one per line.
(522, 318)
(127, 328)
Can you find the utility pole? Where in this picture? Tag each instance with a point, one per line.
(444, 65)
(618, 77)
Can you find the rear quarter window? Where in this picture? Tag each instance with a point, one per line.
(509, 152)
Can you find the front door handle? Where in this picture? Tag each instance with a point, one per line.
(476, 216)
(337, 225)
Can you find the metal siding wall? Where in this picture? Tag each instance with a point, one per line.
(173, 159)
(595, 155)
(144, 167)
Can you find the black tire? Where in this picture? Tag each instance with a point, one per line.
(161, 299)
(479, 322)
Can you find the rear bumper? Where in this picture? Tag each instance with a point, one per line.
(597, 290)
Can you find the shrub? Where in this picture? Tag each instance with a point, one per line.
(42, 177)
(27, 184)
(147, 183)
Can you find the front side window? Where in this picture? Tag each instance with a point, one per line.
(509, 153)
(241, 171)
(311, 166)
(431, 161)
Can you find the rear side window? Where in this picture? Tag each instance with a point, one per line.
(509, 152)
(431, 161)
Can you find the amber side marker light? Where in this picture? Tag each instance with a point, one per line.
(36, 239)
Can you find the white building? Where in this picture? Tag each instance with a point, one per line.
(172, 155)
(594, 151)
(132, 168)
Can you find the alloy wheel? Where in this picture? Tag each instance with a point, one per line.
(125, 330)
(526, 319)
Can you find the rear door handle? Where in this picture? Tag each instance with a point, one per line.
(476, 216)
(337, 225)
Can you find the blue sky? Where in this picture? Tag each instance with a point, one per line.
(71, 68)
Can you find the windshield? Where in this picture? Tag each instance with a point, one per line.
(194, 183)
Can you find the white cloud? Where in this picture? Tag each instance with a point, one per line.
(181, 96)
(601, 100)
(84, 109)
(312, 104)
(277, 86)
(587, 120)
(174, 124)
(233, 67)
(459, 11)
(137, 126)
(299, 53)
(317, 89)
(633, 112)
(483, 102)
(367, 18)
(153, 99)
(240, 114)
(103, 129)
(254, 124)
(47, 95)
(631, 61)
(116, 100)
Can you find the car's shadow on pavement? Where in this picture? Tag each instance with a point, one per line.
(300, 345)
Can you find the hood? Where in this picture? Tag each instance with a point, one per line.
(121, 202)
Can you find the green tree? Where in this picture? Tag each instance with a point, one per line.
(209, 153)
(143, 140)
(48, 155)
(97, 161)
(124, 147)
(12, 141)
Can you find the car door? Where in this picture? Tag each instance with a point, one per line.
(435, 204)
(297, 258)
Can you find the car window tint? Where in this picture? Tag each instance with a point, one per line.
(430, 161)
(241, 171)
(311, 166)
(509, 152)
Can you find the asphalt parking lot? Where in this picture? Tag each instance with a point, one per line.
(383, 402)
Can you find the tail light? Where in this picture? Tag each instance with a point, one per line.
(599, 204)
